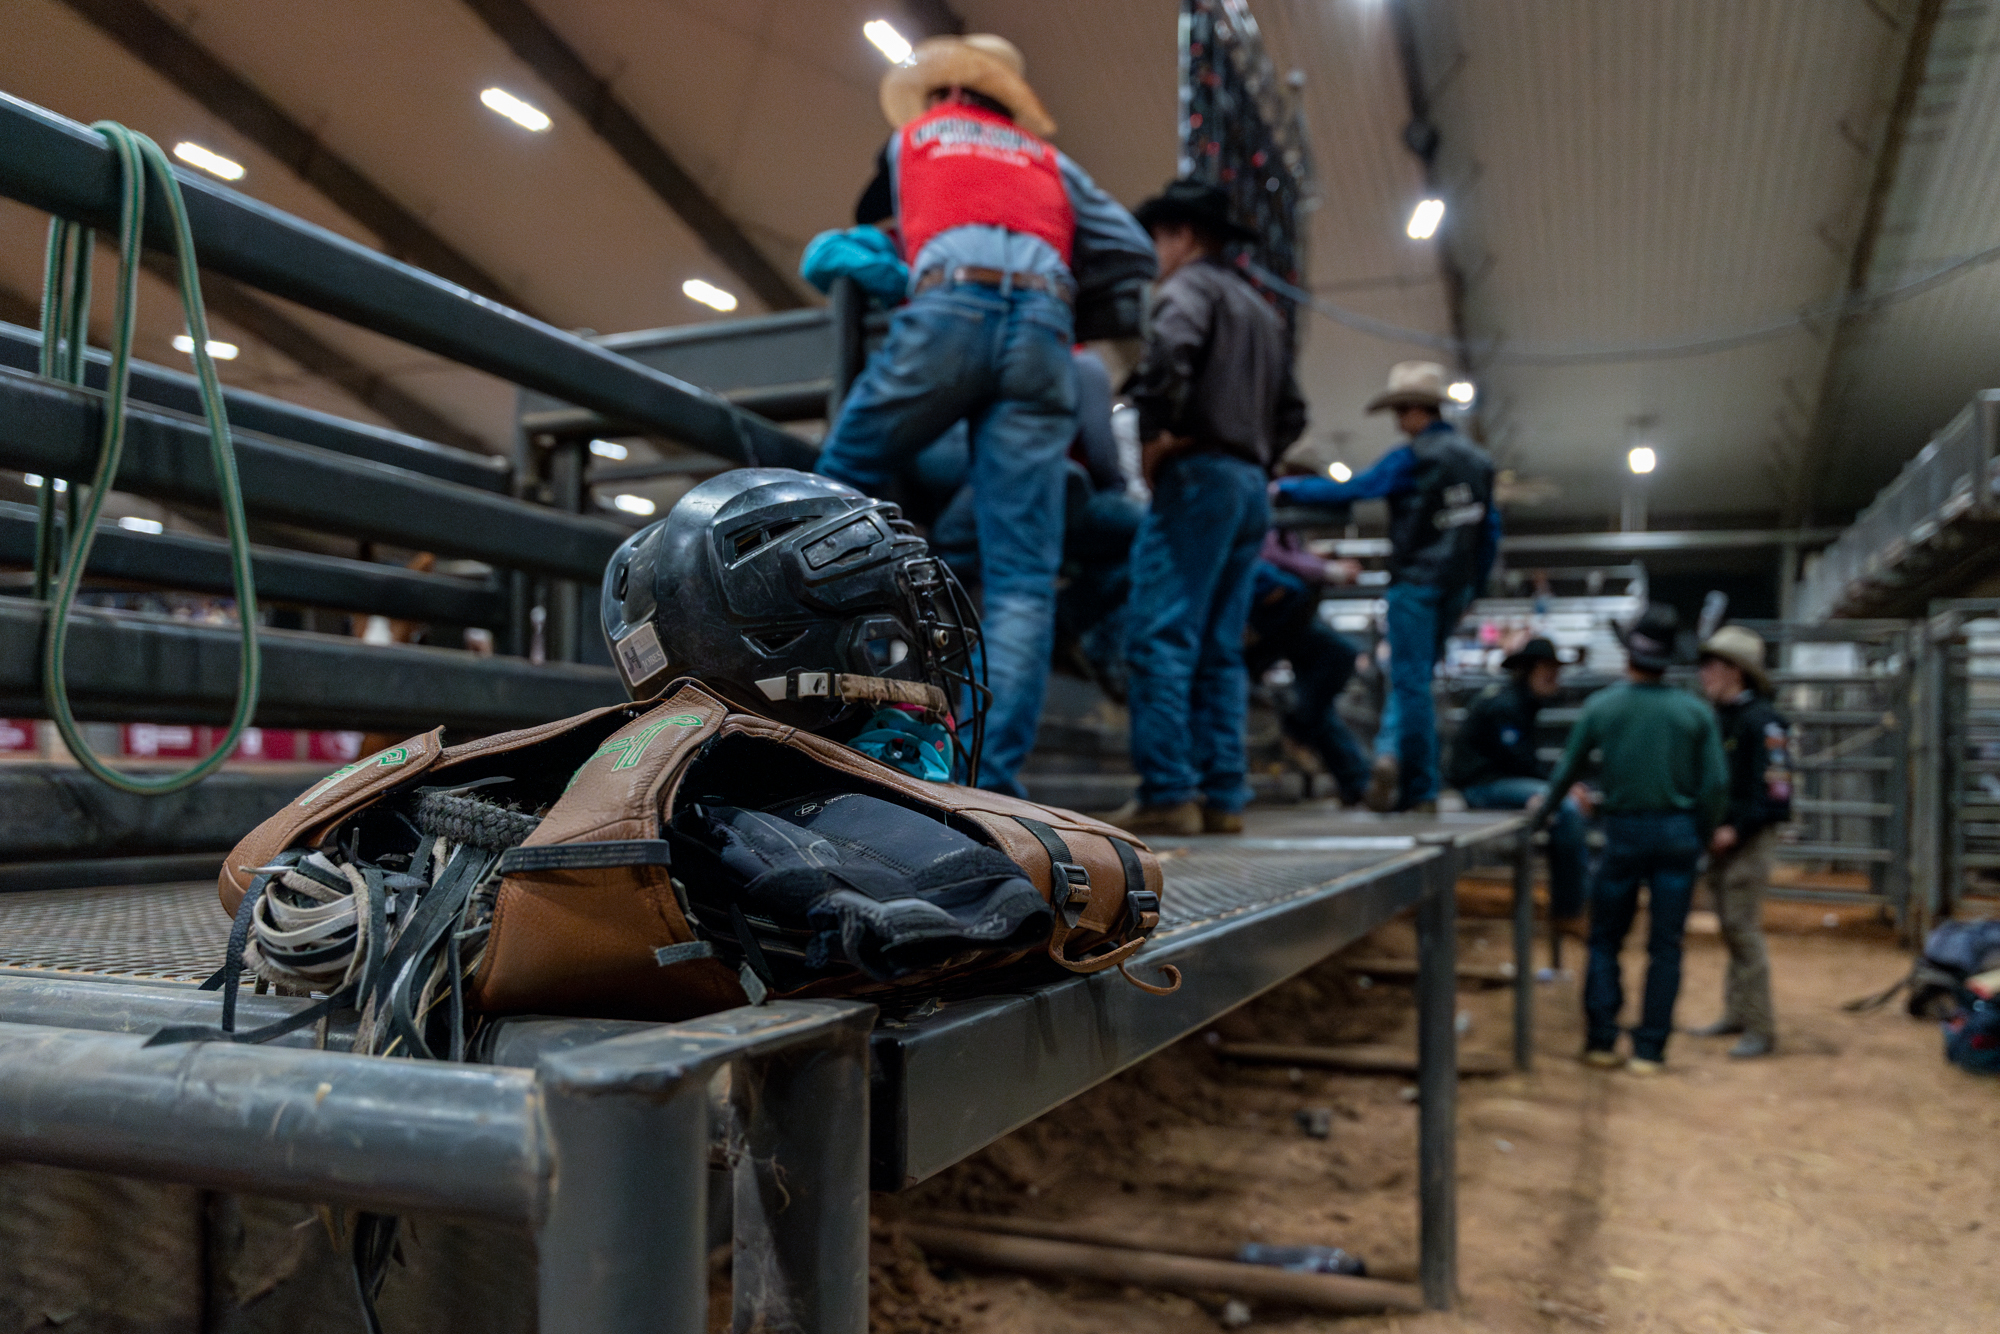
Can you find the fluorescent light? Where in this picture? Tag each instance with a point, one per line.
(213, 163)
(608, 449)
(136, 525)
(514, 109)
(1642, 460)
(708, 294)
(1424, 219)
(887, 40)
(1461, 391)
(1339, 471)
(35, 479)
(634, 504)
(218, 349)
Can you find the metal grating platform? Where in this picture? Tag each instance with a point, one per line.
(173, 933)
(177, 932)
(1205, 883)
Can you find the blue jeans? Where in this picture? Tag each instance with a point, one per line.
(1322, 665)
(1191, 567)
(1001, 363)
(1661, 850)
(1569, 852)
(1420, 617)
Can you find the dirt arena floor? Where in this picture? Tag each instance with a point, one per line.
(1849, 1183)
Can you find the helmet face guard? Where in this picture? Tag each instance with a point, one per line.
(801, 599)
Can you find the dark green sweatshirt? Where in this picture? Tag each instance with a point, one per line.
(1662, 752)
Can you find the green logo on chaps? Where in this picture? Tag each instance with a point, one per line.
(631, 749)
(388, 759)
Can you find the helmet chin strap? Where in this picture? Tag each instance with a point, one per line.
(797, 684)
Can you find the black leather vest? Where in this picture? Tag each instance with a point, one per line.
(1437, 527)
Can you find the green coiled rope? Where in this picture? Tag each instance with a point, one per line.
(65, 325)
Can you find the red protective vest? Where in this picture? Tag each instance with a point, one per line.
(960, 166)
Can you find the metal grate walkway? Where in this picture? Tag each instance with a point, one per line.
(171, 933)
(1207, 882)
(177, 932)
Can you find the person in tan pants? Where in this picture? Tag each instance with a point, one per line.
(1756, 743)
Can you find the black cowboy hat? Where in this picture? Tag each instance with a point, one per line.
(1650, 641)
(1535, 650)
(1204, 206)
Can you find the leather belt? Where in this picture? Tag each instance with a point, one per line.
(931, 279)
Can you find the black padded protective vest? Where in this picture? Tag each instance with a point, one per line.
(1437, 527)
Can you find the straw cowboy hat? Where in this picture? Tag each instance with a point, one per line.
(1412, 384)
(1742, 649)
(979, 62)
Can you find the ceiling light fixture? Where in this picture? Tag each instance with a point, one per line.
(36, 479)
(1424, 219)
(887, 40)
(1461, 391)
(1642, 460)
(132, 524)
(694, 289)
(218, 349)
(213, 163)
(1339, 471)
(631, 504)
(514, 109)
(609, 449)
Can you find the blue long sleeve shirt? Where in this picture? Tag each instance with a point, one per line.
(1394, 474)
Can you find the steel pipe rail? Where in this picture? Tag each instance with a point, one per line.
(58, 811)
(129, 667)
(323, 1127)
(602, 1149)
(20, 349)
(53, 429)
(1588, 544)
(144, 1008)
(59, 166)
(201, 565)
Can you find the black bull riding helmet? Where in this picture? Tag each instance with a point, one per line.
(799, 598)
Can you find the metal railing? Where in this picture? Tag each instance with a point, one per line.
(599, 1137)
(318, 472)
(1907, 539)
(1959, 772)
(594, 1138)
(1849, 689)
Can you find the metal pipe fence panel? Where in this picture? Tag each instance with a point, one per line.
(332, 476)
(59, 166)
(1965, 635)
(1909, 535)
(20, 349)
(128, 667)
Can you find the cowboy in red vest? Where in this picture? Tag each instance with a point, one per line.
(995, 225)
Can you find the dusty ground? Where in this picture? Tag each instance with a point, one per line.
(1848, 1184)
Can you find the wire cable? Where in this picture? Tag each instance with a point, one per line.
(65, 317)
(1487, 352)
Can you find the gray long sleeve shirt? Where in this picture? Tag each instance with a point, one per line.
(1217, 369)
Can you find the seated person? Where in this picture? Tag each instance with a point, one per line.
(1285, 623)
(1495, 768)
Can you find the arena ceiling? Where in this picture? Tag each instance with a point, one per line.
(1724, 231)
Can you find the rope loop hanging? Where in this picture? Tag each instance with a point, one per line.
(62, 548)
